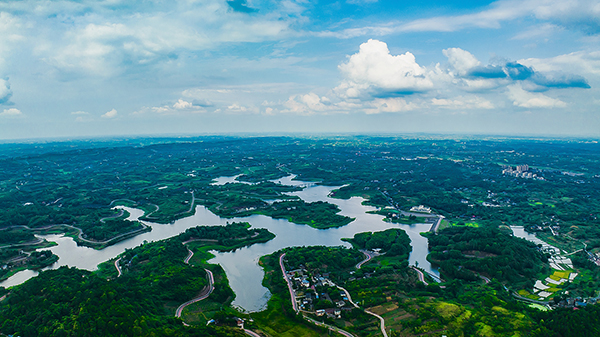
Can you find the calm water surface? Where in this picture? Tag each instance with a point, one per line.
(244, 273)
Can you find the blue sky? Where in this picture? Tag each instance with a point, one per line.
(93, 68)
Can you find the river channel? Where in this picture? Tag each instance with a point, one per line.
(244, 273)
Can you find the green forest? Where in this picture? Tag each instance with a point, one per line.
(72, 187)
(141, 302)
(392, 242)
(465, 253)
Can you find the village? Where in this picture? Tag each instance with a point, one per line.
(317, 294)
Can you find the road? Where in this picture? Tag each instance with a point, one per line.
(295, 305)
(287, 280)
(332, 328)
(381, 320)
(368, 255)
(515, 295)
(118, 268)
(485, 279)
(190, 254)
(118, 215)
(79, 235)
(251, 333)
(436, 226)
(420, 274)
(203, 295)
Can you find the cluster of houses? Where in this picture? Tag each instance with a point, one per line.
(308, 289)
(420, 209)
(575, 302)
(521, 171)
(19, 260)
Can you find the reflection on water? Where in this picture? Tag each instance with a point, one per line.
(244, 273)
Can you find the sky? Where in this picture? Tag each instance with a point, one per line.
(114, 67)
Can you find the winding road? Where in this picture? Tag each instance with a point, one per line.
(251, 333)
(420, 274)
(79, 235)
(118, 267)
(295, 305)
(118, 215)
(332, 328)
(203, 295)
(190, 254)
(205, 292)
(369, 256)
(381, 320)
(289, 284)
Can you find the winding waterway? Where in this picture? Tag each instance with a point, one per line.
(244, 273)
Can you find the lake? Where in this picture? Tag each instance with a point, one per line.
(241, 266)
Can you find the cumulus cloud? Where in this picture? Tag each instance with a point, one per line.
(527, 99)
(581, 63)
(110, 114)
(180, 107)
(5, 92)
(308, 104)
(461, 60)
(80, 113)
(374, 79)
(181, 104)
(476, 77)
(237, 108)
(375, 68)
(12, 112)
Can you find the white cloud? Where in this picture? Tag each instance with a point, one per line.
(12, 112)
(361, 2)
(373, 67)
(581, 62)
(461, 60)
(106, 42)
(237, 108)
(307, 104)
(396, 104)
(474, 85)
(577, 14)
(544, 30)
(527, 99)
(10, 33)
(5, 92)
(181, 104)
(111, 114)
(79, 113)
(462, 103)
(375, 81)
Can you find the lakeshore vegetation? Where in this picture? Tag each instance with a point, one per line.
(71, 186)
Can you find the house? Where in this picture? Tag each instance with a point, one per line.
(420, 209)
